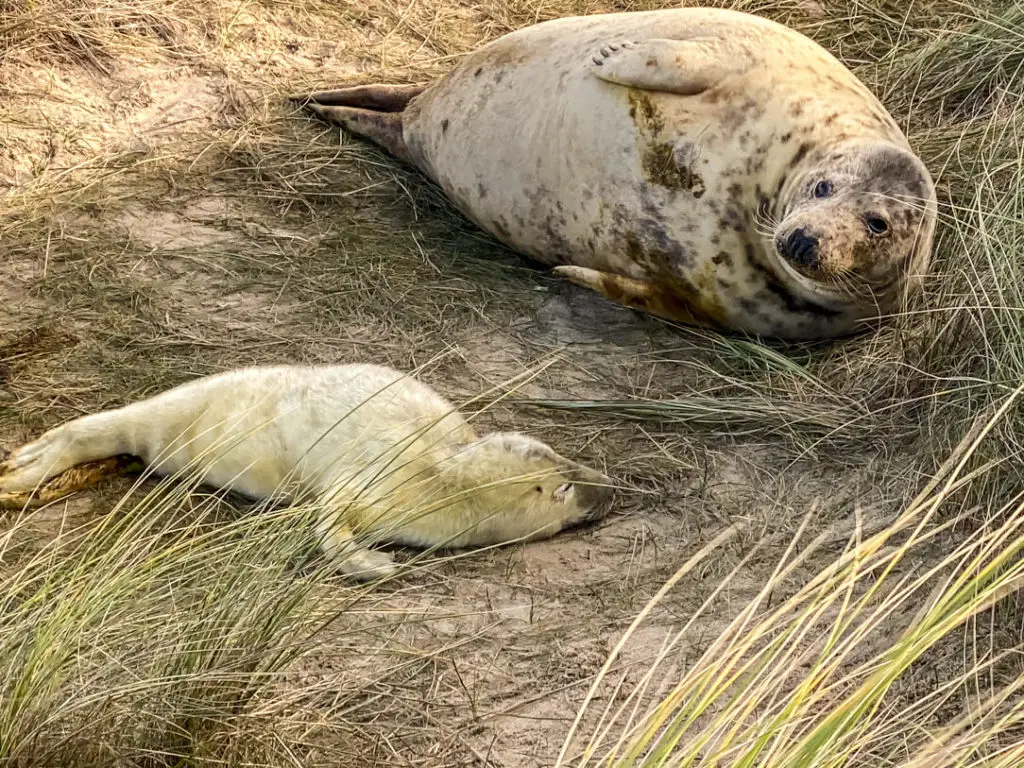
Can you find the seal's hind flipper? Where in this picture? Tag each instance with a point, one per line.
(70, 481)
(686, 67)
(646, 296)
(378, 98)
(383, 128)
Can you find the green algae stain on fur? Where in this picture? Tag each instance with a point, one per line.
(657, 156)
(658, 160)
(643, 112)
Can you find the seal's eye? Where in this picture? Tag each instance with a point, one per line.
(823, 189)
(877, 225)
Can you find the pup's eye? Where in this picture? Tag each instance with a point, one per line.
(563, 491)
(877, 225)
(823, 189)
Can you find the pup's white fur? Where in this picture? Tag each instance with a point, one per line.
(387, 457)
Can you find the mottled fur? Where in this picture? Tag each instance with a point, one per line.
(387, 457)
(633, 149)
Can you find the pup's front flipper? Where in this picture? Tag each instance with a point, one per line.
(74, 479)
(686, 67)
(352, 558)
(646, 296)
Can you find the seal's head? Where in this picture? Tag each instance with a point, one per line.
(526, 488)
(858, 218)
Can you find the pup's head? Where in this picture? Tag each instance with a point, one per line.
(533, 491)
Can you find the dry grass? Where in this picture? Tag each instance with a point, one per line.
(166, 215)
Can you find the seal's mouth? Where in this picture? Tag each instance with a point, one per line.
(842, 288)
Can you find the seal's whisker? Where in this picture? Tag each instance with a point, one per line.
(852, 283)
(764, 223)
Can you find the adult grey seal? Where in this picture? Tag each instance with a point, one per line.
(707, 166)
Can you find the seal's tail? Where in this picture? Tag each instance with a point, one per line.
(371, 111)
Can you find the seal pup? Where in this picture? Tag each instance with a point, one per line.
(707, 166)
(384, 456)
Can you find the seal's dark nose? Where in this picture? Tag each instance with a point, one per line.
(802, 248)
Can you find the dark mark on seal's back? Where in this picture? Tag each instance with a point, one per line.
(733, 219)
(801, 153)
(751, 307)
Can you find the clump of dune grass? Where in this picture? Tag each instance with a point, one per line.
(809, 679)
(956, 74)
(151, 634)
(96, 34)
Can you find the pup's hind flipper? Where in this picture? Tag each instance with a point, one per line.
(68, 482)
(80, 441)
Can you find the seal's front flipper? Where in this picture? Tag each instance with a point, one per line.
(638, 294)
(351, 557)
(686, 67)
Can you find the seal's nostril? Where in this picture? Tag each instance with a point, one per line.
(793, 239)
(802, 248)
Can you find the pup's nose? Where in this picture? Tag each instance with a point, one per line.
(802, 248)
(594, 492)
